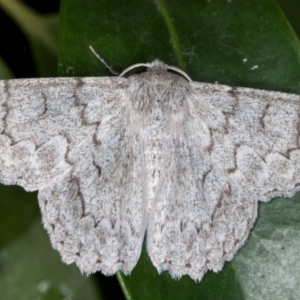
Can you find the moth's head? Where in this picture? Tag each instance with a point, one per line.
(157, 66)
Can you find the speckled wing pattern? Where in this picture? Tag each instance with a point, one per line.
(53, 135)
(114, 158)
(236, 146)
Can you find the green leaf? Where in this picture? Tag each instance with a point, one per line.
(144, 283)
(291, 9)
(235, 42)
(5, 72)
(31, 269)
(268, 265)
(212, 40)
(17, 211)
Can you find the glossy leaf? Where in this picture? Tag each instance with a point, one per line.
(215, 40)
(17, 211)
(5, 72)
(30, 269)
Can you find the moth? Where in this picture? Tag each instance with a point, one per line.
(156, 154)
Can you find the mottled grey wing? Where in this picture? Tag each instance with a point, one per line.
(253, 137)
(46, 124)
(96, 215)
(66, 138)
(237, 146)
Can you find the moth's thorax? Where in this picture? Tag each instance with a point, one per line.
(156, 94)
(157, 86)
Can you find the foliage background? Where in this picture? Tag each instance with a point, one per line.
(213, 38)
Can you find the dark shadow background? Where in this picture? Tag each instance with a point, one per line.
(14, 48)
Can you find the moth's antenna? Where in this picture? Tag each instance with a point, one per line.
(106, 65)
(179, 71)
(133, 67)
(149, 65)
